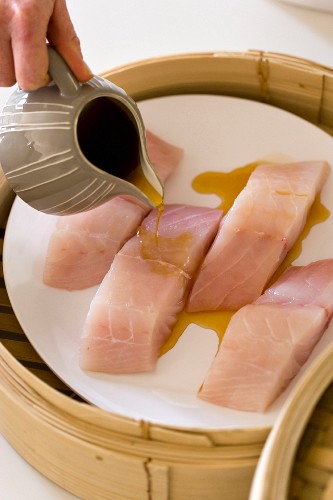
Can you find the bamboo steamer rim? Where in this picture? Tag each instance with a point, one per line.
(300, 86)
(273, 473)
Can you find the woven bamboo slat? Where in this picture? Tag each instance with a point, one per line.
(93, 453)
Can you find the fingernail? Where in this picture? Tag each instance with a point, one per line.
(36, 84)
(88, 70)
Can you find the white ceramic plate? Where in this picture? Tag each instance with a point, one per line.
(217, 133)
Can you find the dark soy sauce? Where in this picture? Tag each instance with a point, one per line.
(108, 137)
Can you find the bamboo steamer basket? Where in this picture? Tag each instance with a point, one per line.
(96, 454)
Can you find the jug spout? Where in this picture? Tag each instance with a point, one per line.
(71, 146)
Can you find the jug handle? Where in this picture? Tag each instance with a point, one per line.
(62, 75)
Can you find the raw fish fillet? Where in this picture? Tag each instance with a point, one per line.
(255, 235)
(83, 245)
(163, 155)
(267, 342)
(139, 299)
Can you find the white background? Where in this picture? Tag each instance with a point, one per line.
(115, 33)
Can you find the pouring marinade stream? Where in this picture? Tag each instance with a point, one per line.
(137, 178)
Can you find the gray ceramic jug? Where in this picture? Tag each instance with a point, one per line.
(69, 147)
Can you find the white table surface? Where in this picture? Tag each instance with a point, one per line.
(114, 33)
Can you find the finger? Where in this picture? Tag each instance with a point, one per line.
(7, 71)
(31, 66)
(62, 36)
(29, 47)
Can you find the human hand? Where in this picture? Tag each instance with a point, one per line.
(25, 25)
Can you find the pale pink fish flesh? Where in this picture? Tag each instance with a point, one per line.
(255, 235)
(303, 285)
(266, 343)
(83, 246)
(140, 298)
(163, 155)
